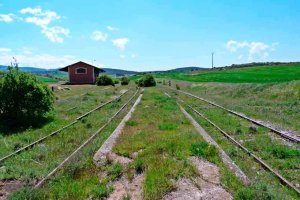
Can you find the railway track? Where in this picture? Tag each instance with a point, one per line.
(85, 143)
(293, 138)
(250, 153)
(59, 130)
(238, 144)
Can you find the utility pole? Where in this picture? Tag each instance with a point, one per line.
(212, 60)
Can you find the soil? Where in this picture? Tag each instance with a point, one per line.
(206, 186)
(124, 188)
(8, 187)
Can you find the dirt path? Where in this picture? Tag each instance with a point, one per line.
(8, 187)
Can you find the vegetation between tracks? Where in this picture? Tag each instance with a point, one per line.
(281, 157)
(163, 157)
(79, 179)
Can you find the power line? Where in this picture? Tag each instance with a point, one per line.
(212, 60)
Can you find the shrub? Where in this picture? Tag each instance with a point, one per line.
(177, 87)
(116, 81)
(125, 81)
(147, 81)
(24, 100)
(104, 80)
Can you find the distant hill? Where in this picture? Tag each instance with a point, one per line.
(109, 71)
(184, 69)
(41, 71)
(118, 72)
(28, 69)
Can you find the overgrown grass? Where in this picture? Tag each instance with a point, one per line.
(277, 103)
(80, 178)
(259, 74)
(165, 140)
(35, 163)
(260, 142)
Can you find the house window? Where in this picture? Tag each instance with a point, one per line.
(80, 70)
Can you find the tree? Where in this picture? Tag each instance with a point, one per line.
(147, 81)
(24, 100)
(105, 80)
(125, 80)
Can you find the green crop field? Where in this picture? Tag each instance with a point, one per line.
(259, 74)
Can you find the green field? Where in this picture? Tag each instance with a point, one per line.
(47, 79)
(259, 74)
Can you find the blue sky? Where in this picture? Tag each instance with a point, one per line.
(148, 35)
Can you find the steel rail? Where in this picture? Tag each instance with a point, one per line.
(259, 160)
(61, 165)
(59, 130)
(291, 138)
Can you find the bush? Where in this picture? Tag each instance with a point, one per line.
(24, 100)
(147, 81)
(116, 81)
(177, 87)
(104, 80)
(125, 81)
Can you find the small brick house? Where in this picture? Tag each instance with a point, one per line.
(82, 73)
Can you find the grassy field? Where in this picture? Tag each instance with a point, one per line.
(276, 103)
(47, 79)
(263, 74)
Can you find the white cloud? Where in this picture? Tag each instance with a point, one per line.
(256, 50)
(110, 28)
(56, 33)
(42, 18)
(5, 50)
(99, 36)
(27, 51)
(120, 43)
(122, 56)
(7, 18)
